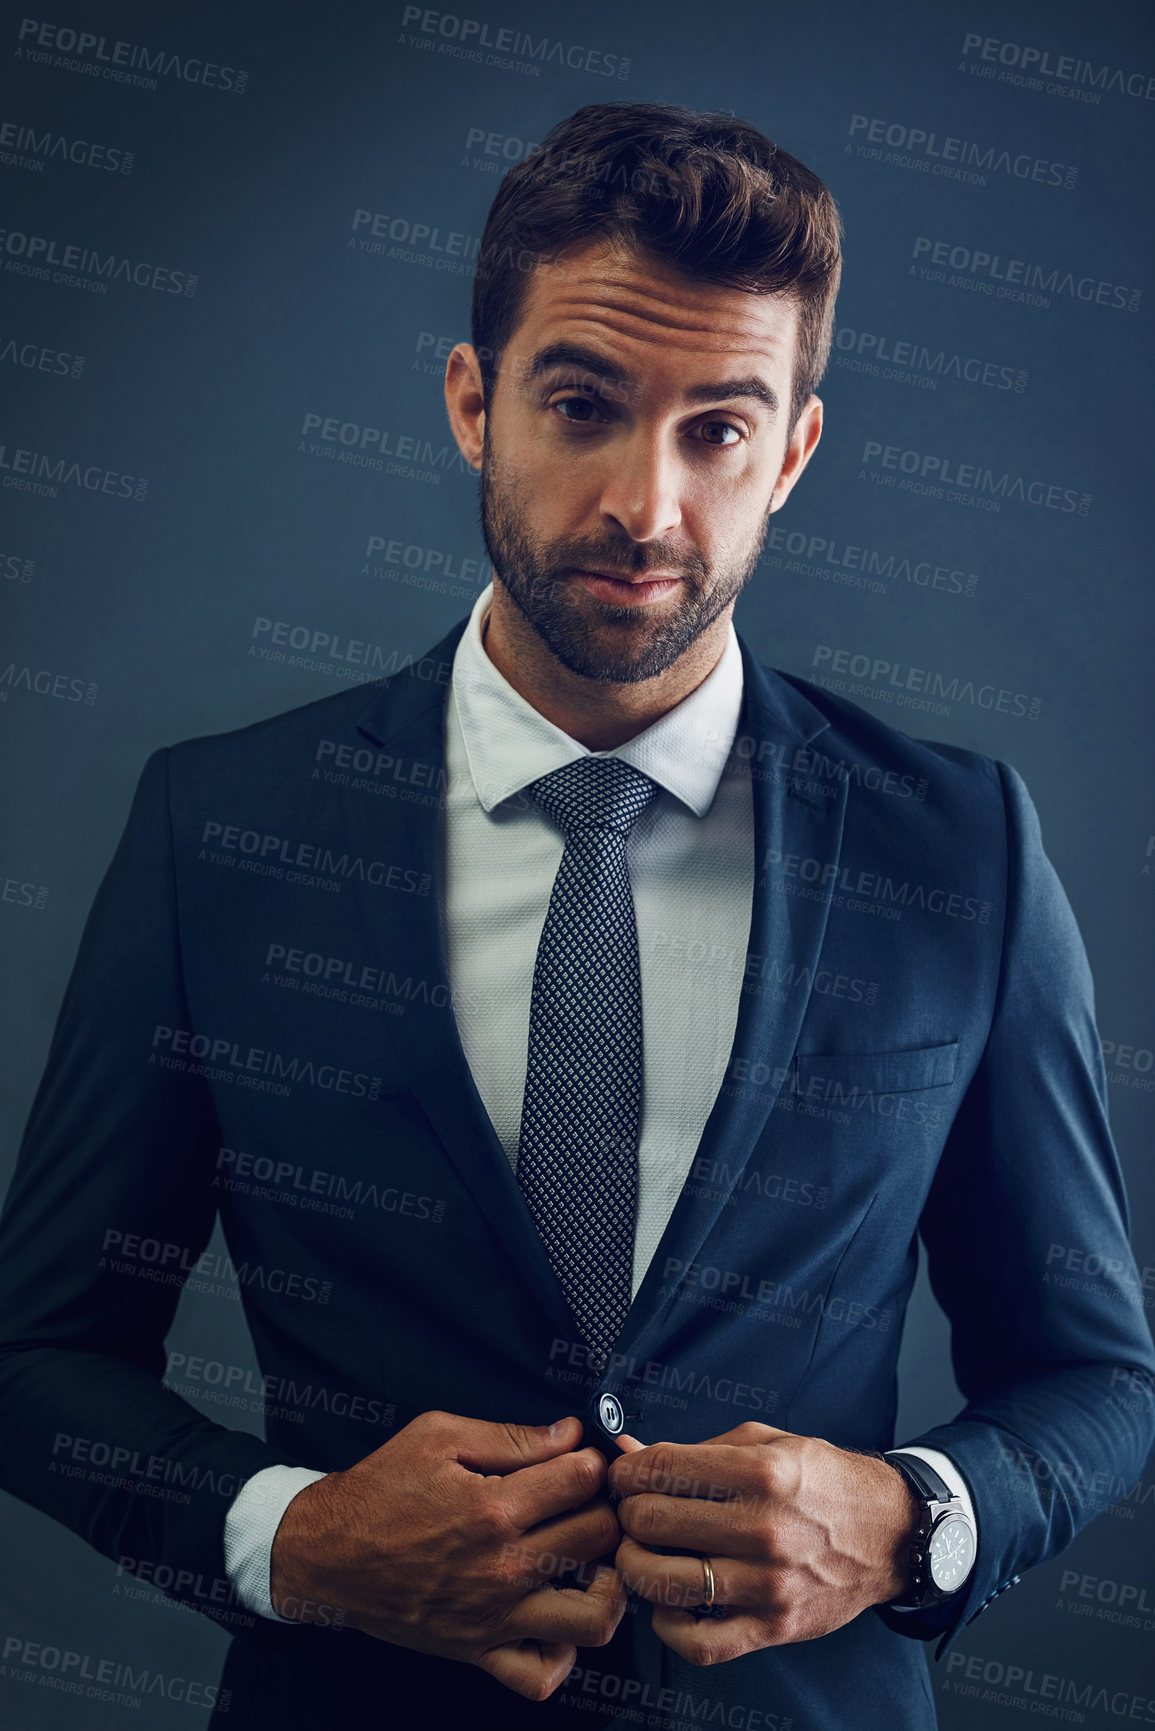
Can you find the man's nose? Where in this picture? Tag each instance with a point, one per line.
(641, 491)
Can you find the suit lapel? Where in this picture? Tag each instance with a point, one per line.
(406, 719)
(777, 722)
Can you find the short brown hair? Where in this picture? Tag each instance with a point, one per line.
(707, 193)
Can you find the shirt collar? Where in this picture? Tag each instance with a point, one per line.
(509, 744)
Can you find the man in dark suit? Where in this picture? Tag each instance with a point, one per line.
(587, 1017)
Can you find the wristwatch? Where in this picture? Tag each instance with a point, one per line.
(943, 1550)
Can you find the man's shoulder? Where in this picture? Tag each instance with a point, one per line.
(843, 741)
(337, 713)
(328, 726)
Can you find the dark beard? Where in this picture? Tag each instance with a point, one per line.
(631, 645)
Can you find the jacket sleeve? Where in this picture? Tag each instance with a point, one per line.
(1026, 1232)
(109, 1210)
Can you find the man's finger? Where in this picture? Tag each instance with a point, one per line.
(711, 1470)
(530, 1668)
(536, 1493)
(556, 1547)
(564, 1614)
(485, 1447)
(537, 1660)
(680, 1582)
(706, 1641)
(728, 1528)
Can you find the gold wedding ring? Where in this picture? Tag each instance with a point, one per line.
(708, 1600)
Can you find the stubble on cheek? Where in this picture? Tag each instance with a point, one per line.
(624, 644)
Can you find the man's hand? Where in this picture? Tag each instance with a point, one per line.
(801, 1536)
(446, 1538)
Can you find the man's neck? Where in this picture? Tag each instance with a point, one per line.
(597, 713)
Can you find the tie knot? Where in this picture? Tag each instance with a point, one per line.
(595, 793)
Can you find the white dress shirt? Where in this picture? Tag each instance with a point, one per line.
(691, 864)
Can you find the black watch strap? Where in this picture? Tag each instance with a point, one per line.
(922, 1476)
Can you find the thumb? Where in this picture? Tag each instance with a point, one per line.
(628, 1443)
(485, 1447)
(530, 1668)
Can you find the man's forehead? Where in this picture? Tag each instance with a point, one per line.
(617, 300)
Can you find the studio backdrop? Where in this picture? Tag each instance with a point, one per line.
(237, 245)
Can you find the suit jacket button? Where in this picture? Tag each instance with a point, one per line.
(608, 1409)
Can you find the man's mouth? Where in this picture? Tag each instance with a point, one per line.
(626, 591)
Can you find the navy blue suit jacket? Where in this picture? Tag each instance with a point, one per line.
(259, 1024)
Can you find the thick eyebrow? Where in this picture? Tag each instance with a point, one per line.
(751, 386)
(589, 361)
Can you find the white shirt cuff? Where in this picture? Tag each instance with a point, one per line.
(250, 1528)
(951, 1478)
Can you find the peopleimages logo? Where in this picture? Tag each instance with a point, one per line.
(464, 38)
(23, 895)
(911, 362)
(862, 567)
(952, 158)
(100, 1679)
(120, 62)
(84, 267)
(267, 855)
(367, 447)
(39, 358)
(35, 472)
(1018, 279)
(349, 657)
(921, 688)
(25, 147)
(223, 1058)
(423, 567)
(1033, 65)
(414, 242)
(944, 477)
(1022, 1687)
(45, 683)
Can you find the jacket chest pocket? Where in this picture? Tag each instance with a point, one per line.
(828, 1076)
(874, 1096)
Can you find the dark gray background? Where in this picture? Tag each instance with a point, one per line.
(150, 605)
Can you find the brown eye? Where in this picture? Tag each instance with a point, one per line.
(581, 403)
(708, 428)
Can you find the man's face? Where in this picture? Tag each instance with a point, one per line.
(635, 446)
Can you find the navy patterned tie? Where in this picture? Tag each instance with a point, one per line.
(577, 1160)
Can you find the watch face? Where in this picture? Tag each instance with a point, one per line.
(951, 1553)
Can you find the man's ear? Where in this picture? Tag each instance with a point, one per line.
(465, 402)
(803, 440)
